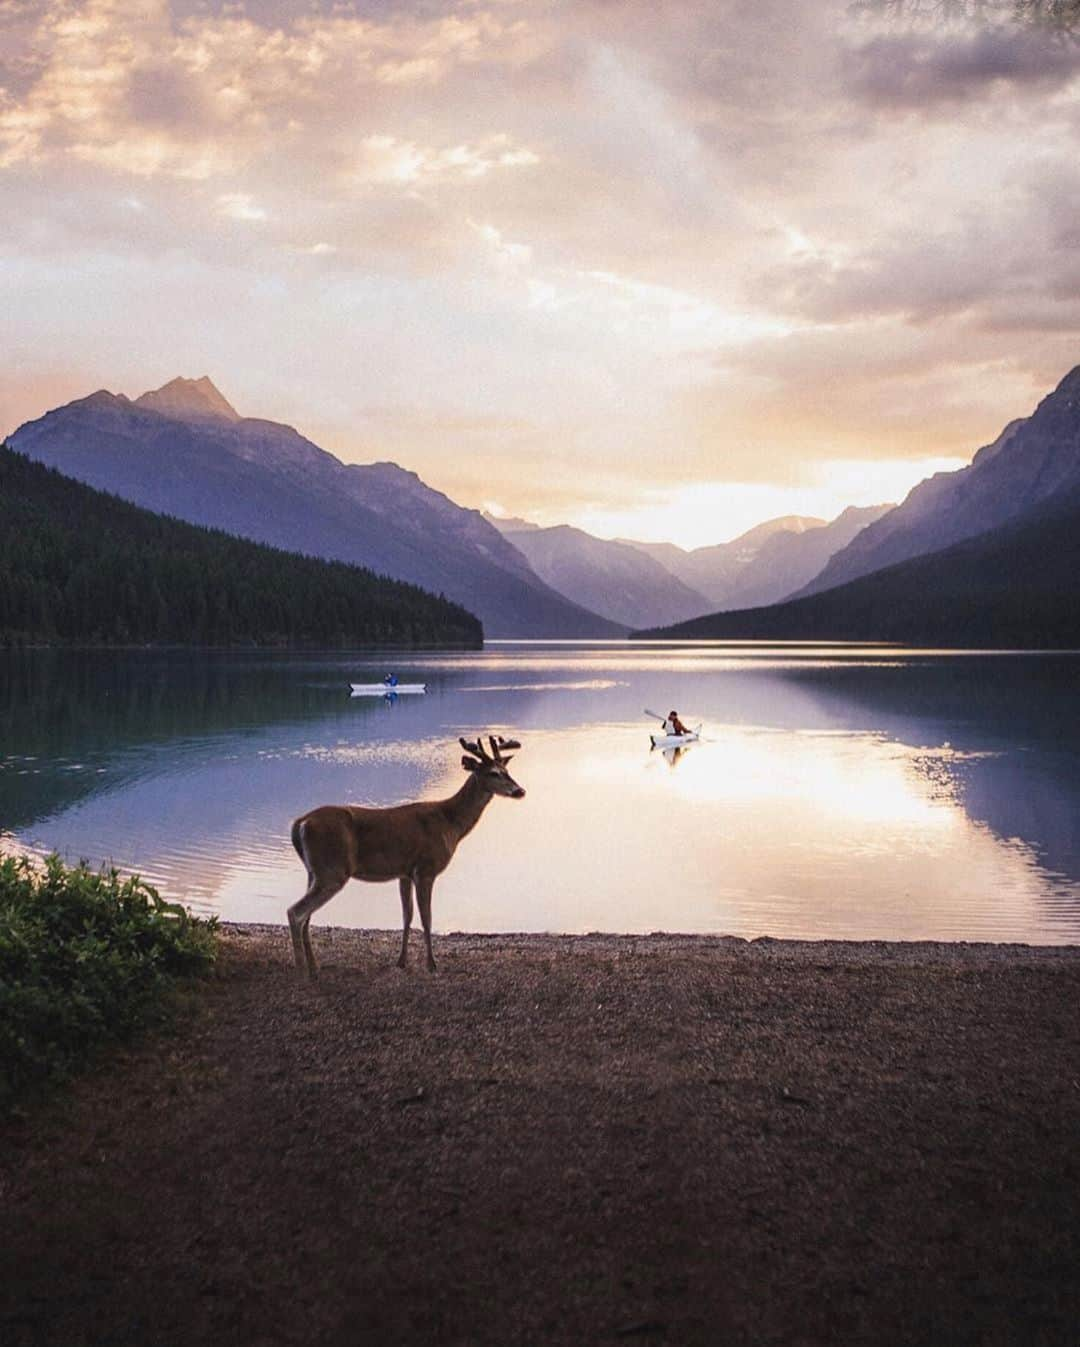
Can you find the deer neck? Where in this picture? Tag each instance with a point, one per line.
(464, 809)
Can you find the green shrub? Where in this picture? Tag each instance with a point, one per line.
(86, 957)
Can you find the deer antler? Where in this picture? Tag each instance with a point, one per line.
(499, 746)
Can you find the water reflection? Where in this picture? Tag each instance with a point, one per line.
(841, 791)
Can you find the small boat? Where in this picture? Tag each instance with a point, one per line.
(385, 689)
(675, 740)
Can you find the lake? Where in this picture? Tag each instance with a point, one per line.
(841, 791)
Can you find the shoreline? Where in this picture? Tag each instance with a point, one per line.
(342, 938)
(678, 1140)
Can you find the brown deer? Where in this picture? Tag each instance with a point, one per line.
(412, 843)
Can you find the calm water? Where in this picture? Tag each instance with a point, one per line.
(841, 791)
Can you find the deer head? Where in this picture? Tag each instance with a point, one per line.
(489, 769)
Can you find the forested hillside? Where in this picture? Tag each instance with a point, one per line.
(1012, 587)
(81, 567)
(182, 451)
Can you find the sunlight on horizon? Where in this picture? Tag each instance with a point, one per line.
(706, 513)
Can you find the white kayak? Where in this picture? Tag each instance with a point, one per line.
(675, 740)
(385, 689)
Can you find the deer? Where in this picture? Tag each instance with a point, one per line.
(412, 843)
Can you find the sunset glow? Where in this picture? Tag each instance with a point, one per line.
(662, 274)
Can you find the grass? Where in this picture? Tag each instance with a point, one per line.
(86, 958)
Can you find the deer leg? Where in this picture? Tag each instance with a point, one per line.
(405, 885)
(319, 893)
(295, 925)
(423, 901)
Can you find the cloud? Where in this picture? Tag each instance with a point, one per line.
(119, 83)
(560, 247)
(921, 68)
(387, 159)
(239, 206)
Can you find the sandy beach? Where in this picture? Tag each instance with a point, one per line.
(567, 1140)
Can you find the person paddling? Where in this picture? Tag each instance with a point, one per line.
(673, 725)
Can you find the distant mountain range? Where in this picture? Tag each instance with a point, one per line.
(182, 450)
(716, 570)
(622, 577)
(787, 559)
(957, 561)
(612, 578)
(1012, 587)
(988, 555)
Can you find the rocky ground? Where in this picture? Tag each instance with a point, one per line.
(672, 1140)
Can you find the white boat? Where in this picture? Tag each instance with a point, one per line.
(385, 689)
(676, 740)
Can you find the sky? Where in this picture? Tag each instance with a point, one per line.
(661, 270)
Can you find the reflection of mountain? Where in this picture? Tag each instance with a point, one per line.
(79, 724)
(97, 710)
(811, 791)
(1017, 719)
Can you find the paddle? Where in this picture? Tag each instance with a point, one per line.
(654, 716)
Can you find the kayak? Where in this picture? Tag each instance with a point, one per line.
(385, 689)
(675, 740)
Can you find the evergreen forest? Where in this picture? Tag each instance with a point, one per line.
(80, 567)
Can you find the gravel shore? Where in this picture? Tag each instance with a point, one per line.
(567, 1141)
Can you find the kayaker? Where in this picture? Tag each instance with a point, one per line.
(673, 725)
(390, 680)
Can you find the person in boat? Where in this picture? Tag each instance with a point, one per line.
(673, 725)
(390, 680)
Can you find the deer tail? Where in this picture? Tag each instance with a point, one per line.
(298, 838)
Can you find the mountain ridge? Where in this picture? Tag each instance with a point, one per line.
(186, 398)
(265, 481)
(611, 578)
(1013, 586)
(86, 567)
(1031, 460)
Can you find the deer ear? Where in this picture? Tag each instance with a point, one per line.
(470, 764)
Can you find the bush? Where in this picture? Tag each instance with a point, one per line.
(86, 957)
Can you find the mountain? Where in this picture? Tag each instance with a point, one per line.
(1031, 461)
(789, 559)
(715, 570)
(509, 523)
(1013, 586)
(182, 450)
(613, 579)
(188, 400)
(760, 566)
(84, 567)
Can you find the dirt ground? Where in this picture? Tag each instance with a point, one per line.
(671, 1140)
